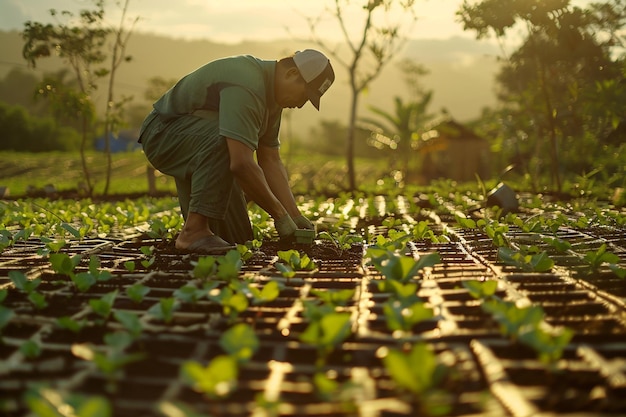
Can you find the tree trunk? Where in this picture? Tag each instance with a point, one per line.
(83, 145)
(350, 142)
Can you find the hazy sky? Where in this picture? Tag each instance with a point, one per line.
(231, 21)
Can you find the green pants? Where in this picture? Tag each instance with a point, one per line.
(190, 149)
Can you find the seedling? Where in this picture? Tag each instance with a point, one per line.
(111, 359)
(240, 342)
(267, 294)
(137, 292)
(30, 349)
(400, 317)
(164, 309)
(399, 267)
(43, 401)
(422, 381)
(103, 305)
(130, 266)
(595, 259)
(297, 261)
(148, 252)
(130, 321)
(70, 324)
(29, 287)
(343, 241)
(334, 298)
(540, 262)
(216, 380)
(325, 334)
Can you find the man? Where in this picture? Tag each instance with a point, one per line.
(205, 131)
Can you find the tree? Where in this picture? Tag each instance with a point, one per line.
(561, 58)
(397, 131)
(374, 45)
(80, 47)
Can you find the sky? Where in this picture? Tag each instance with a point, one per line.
(231, 21)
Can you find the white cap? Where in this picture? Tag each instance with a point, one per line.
(317, 72)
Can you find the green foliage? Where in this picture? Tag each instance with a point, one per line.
(215, 380)
(24, 132)
(539, 262)
(46, 402)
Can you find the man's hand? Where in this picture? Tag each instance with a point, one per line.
(285, 227)
(303, 223)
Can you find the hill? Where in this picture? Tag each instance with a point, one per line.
(461, 71)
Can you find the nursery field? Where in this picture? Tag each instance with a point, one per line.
(422, 304)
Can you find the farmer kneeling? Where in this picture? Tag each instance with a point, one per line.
(204, 132)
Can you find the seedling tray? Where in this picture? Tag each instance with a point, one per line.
(488, 374)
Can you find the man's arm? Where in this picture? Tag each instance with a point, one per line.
(252, 179)
(277, 179)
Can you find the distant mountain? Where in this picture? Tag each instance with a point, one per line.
(461, 71)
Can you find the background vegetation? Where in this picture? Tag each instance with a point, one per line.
(559, 121)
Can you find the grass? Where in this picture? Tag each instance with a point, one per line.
(309, 174)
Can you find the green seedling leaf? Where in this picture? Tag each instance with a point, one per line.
(549, 347)
(560, 245)
(328, 332)
(83, 281)
(56, 245)
(22, 283)
(401, 317)
(533, 263)
(205, 267)
(334, 297)
(130, 266)
(130, 321)
(229, 266)
(285, 270)
(63, 264)
(190, 293)
(30, 349)
(119, 341)
(6, 314)
(147, 250)
(416, 379)
(596, 259)
(147, 263)
(217, 379)
(617, 270)
(267, 294)
(164, 309)
(481, 289)
(3, 295)
(324, 385)
(137, 292)
(45, 402)
(465, 223)
(94, 269)
(405, 293)
(240, 341)
(103, 306)
(71, 230)
(70, 324)
(38, 300)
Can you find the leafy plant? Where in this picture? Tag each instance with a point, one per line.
(217, 379)
(326, 333)
(44, 401)
(539, 262)
(164, 309)
(137, 292)
(595, 259)
(422, 381)
(29, 287)
(104, 304)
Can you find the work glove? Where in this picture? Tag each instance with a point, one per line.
(303, 223)
(285, 226)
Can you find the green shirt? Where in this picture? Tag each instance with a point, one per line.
(236, 93)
